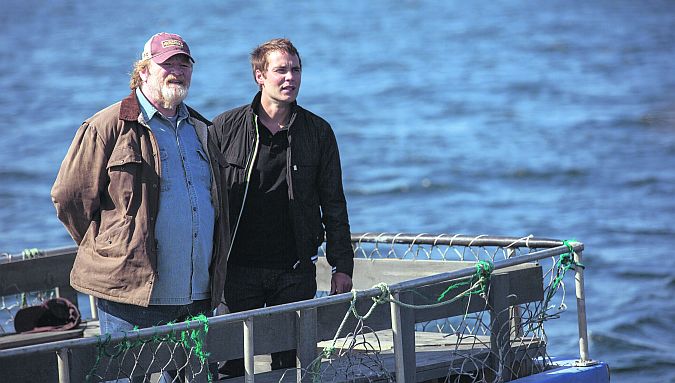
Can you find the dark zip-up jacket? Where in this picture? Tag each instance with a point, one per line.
(315, 195)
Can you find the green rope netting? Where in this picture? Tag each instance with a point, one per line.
(194, 339)
(190, 339)
(478, 284)
(564, 263)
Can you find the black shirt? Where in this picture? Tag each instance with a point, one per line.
(264, 237)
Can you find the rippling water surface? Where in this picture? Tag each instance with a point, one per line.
(553, 118)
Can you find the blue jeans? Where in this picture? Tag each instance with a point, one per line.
(120, 317)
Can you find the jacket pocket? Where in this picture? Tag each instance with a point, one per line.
(113, 241)
(234, 174)
(124, 171)
(122, 157)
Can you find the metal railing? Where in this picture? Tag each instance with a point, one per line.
(503, 252)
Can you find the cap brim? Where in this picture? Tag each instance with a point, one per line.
(160, 58)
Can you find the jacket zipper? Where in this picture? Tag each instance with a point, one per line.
(249, 170)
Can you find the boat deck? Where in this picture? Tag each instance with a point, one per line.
(436, 356)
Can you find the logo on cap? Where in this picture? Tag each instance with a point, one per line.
(172, 43)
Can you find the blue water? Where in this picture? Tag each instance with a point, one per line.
(552, 118)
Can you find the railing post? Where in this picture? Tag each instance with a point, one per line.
(249, 362)
(515, 312)
(306, 343)
(403, 328)
(584, 358)
(64, 365)
(501, 358)
(92, 307)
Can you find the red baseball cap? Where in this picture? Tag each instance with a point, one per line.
(164, 45)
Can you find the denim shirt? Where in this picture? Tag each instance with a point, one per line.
(186, 216)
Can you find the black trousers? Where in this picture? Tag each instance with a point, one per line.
(248, 288)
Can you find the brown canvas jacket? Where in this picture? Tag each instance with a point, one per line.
(107, 195)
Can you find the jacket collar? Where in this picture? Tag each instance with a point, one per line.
(130, 109)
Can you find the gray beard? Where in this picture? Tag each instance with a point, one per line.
(167, 96)
(172, 96)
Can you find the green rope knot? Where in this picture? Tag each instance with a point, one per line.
(327, 351)
(484, 269)
(30, 253)
(384, 295)
(478, 282)
(378, 300)
(566, 260)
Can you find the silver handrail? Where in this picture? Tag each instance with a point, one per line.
(61, 347)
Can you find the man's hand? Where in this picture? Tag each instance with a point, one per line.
(340, 283)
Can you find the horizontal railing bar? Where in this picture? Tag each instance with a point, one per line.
(40, 253)
(393, 238)
(289, 307)
(455, 240)
(531, 257)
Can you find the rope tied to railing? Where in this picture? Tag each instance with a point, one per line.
(30, 253)
(478, 282)
(382, 298)
(328, 351)
(564, 263)
(190, 339)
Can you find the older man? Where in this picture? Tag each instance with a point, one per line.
(138, 191)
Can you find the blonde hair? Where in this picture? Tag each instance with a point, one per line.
(135, 81)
